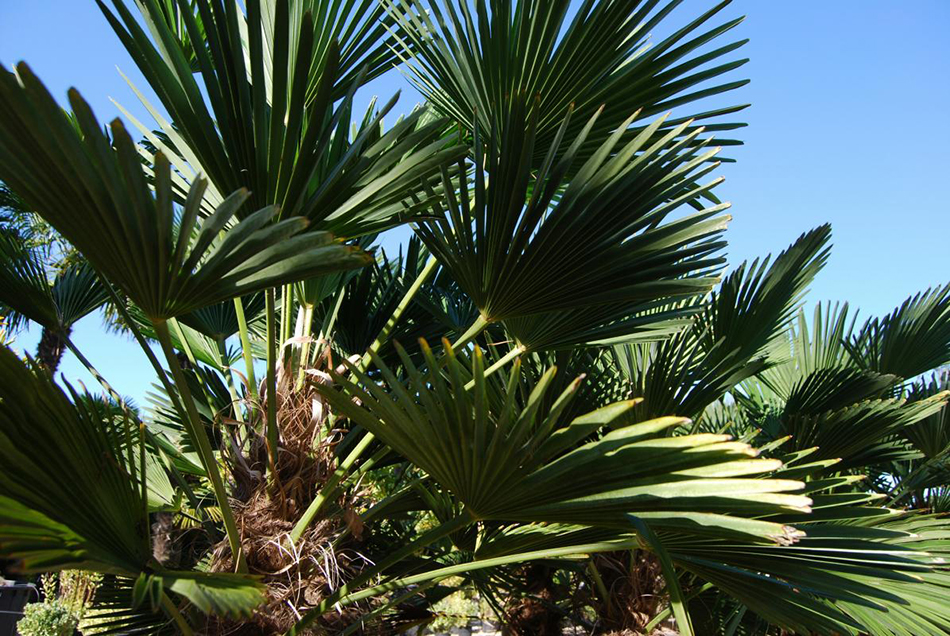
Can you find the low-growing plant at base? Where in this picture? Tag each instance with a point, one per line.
(67, 594)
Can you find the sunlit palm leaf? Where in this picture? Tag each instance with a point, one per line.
(512, 464)
(468, 60)
(858, 569)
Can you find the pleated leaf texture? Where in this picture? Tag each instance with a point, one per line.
(91, 513)
(96, 194)
(603, 238)
(279, 119)
(507, 462)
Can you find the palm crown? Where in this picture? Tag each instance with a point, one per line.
(556, 382)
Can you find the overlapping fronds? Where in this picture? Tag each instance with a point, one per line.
(912, 339)
(90, 512)
(732, 336)
(98, 198)
(509, 463)
(273, 121)
(521, 242)
(468, 59)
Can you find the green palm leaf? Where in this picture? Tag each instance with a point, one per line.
(220, 321)
(77, 292)
(732, 336)
(604, 240)
(271, 123)
(97, 518)
(468, 61)
(525, 464)
(98, 199)
(94, 519)
(912, 339)
(857, 568)
(24, 287)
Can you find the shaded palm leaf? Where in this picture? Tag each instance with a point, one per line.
(515, 259)
(272, 77)
(912, 339)
(220, 321)
(77, 292)
(112, 613)
(731, 337)
(95, 519)
(24, 287)
(931, 435)
(98, 198)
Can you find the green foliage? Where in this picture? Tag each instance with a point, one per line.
(458, 609)
(614, 407)
(125, 229)
(50, 618)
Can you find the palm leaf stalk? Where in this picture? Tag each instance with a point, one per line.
(330, 488)
(246, 349)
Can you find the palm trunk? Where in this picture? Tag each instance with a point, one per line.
(49, 351)
(536, 613)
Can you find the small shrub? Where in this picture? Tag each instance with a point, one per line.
(457, 610)
(50, 618)
(68, 594)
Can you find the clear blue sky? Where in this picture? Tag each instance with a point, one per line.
(848, 125)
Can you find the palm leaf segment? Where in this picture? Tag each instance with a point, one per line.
(834, 389)
(467, 62)
(597, 247)
(97, 518)
(272, 77)
(27, 293)
(855, 568)
(509, 463)
(98, 198)
(859, 568)
(24, 286)
(912, 339)
(731, 339)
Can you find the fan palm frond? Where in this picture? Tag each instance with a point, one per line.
(97, 519)
(99, 199)
(273, 122)
(509, 464)
(468, 60)
(514, 258)
(731, 337)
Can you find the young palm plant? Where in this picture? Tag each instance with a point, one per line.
(552, 383)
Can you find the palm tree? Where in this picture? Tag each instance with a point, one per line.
(554, 382)
(54, 300)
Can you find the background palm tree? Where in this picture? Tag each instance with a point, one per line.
(44, 279)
